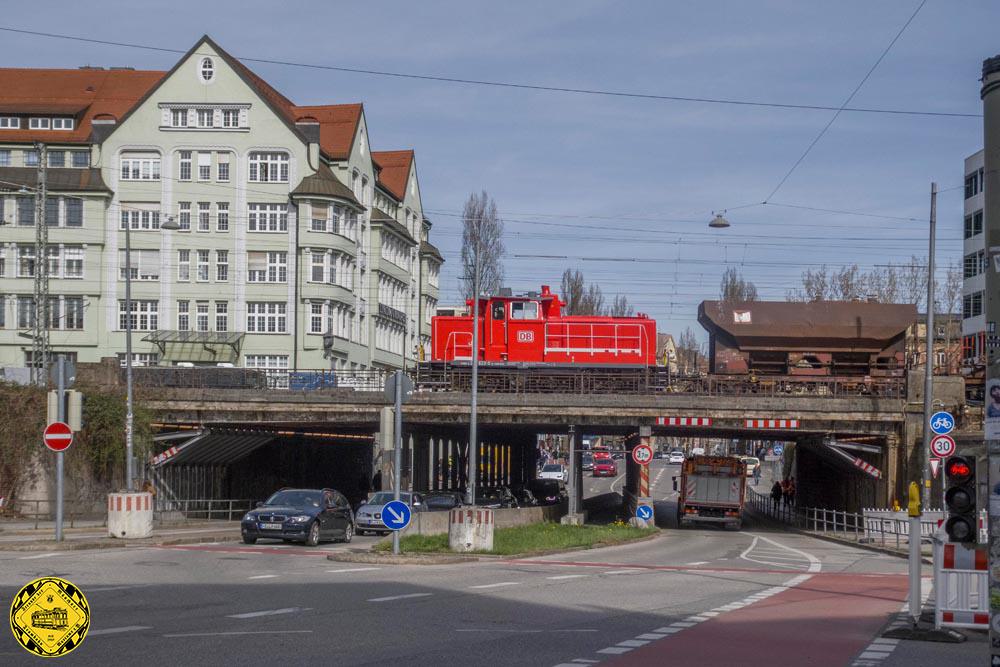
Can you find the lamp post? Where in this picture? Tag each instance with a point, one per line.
(168, 224)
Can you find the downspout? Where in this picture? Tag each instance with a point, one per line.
(295, 297)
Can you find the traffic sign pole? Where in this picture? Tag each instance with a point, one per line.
(397, 464)
(61, 388)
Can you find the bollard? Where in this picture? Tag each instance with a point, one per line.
(130, 515)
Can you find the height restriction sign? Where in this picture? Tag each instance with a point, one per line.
(642, 454)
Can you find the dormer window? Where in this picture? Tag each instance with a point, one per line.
(39, 123)
(207, 69)
(10, 123)
(62, 123)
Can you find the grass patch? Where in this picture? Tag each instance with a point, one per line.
(528, 539)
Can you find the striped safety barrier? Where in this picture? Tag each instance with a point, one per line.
(868, 468)
(772, 423)
(683, 421)
(961, 585)
(164, 455)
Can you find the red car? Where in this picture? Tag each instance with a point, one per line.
(604, 468)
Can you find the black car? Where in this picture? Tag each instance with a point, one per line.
(300, 515)
(548, 491)
(442, 501)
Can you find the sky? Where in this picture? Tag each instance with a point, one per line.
(620, 188)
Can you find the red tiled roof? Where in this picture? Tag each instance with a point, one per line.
(395, 170)
(70, 91)
(338, 125)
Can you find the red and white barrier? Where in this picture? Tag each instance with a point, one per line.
(683, 421)
(130, 515)
(164, 455)
(772, 423)
(961, 586)
(470, 529)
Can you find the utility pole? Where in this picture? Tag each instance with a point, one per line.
(473, 418)
(40, 329)
(925, 451)
(397, 437)
(61, 415)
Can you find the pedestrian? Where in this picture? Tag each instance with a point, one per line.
(791, 492)
(776, 494)
(784, 492)
(756, 475)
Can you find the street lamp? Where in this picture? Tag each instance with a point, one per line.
(718, 222)
(168, 224)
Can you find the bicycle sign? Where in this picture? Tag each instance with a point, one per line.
(942, 423)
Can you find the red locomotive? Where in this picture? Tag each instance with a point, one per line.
(531, 329)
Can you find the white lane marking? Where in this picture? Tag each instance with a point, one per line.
(390, 598)
(114, 631)
(615, 650)
(36, 556)
(682, 624)
(628, 571)
(652, 635)
(566, 576)
(698, 562)
(354, 569)
(668, 630)
(269, 612)
(244, 632)
(620, 478)
(263, 576)
(498, 584)
(584, 661)
(814, 563)
(115, 588)
(633, 643)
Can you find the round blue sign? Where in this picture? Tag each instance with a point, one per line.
(942, 423)
(396, 515)
(644, 512)
(778, 450)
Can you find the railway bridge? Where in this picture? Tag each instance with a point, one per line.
(850, 449)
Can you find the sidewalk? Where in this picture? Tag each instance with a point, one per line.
(16, 535)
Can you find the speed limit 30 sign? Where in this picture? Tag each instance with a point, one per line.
(942, 446)
(642, 454)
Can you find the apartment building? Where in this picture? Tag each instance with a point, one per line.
(974, 265)
(299, 247)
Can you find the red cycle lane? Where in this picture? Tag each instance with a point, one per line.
(823, 622)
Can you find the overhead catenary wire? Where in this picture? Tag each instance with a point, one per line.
(508, 84)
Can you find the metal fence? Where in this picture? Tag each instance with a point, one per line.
(262, 379)
(205, 508)
(38, 510)
(862, 528)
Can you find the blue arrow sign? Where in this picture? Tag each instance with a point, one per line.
(942, 423)
(778, 450)
(396, 515)
(644, 512)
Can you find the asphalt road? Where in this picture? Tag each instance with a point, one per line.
(697, 596)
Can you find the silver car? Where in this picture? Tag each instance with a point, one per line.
(368, 517)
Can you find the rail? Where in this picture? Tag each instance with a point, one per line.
(863, 528)
(31, 509)
(206, 508)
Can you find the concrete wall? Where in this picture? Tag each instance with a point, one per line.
(436, 523)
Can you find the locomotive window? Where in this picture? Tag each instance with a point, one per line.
(524, 310)
(498, 310)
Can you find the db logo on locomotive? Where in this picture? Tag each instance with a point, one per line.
(525, 336)
(50, 617)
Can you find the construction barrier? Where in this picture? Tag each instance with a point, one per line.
(130, 515)
(961, 585)
(471, 529)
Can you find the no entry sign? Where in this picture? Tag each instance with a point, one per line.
(58, 436)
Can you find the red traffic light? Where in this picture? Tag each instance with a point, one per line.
(957, 469)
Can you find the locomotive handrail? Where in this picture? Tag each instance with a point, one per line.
(451, 343)
(566, 333)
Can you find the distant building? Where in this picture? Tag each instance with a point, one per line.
(666, 351)
(974, 264)
(947, 343)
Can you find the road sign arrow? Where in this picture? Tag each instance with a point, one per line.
(398, 518)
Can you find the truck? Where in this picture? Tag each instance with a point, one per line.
(711, 489)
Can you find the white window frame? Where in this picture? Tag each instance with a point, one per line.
(178, 117)
(222, 316)
(147, 314)
(222, 216)
(267, 218)
(201, 316)
(184, 265)
(184, 315)
(203, 266)
(184, 160)
(276, 271)
(268, 167)
(62, 124)
(10, 123)
(267, 317)
(39, 123)
(139, 169)
(204, 216)
(221, 266)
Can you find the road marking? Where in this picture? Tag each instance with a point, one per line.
(683, 624)
(115, 588)
(620, 478)
(499, 584)
(114, 631)
(245, 632)
(652, 635)
(629, 571)
(45, 555)
(633, 643)
(615, 650)
(584, 661)
(263, 576)
(567, 576)
(354, 569)
(269, 612)
(814, 564)
(698, 562)
(390, 598)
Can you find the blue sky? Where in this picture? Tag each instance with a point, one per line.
(613, 177)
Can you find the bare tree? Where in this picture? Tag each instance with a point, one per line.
(949, 302)
(572, 291)
(482, 234)
(593, 301)
(815, 286)
(913, 281)
(734, 289)
(687, 351)
(620, 307)
(890, 283)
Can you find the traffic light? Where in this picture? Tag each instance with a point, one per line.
(960, 499)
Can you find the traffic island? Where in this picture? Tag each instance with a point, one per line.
(530, 540)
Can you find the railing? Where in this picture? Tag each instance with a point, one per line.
(452, 345)
(560, 337)
(207, 508)
(862, 528)
(31, 509)
(262, 379)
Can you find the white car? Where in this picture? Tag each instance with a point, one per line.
(675, 456)
(554, 471)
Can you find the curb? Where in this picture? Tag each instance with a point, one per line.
(114, 543)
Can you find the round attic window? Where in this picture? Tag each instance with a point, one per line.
(206, 69)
